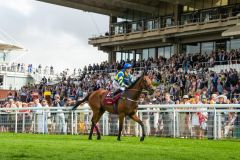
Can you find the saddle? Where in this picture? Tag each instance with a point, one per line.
(110, 100)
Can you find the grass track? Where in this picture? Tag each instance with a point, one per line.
(68, 147)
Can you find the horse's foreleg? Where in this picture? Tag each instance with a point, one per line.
(136, 119)
(121, 119)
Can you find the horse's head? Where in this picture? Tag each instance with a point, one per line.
(147, 84)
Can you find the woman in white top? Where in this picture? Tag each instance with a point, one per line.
(198, 118)
(46, 114)
(39, 115)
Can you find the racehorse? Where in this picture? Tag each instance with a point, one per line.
(126, 106)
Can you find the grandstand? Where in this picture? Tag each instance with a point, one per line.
(190, 50)
(145, 29)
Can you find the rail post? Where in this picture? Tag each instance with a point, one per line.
(215, 124)
(23, 123)
(141, 118)
(72, 122)
(75, 132)
(174, 125)
(16, 119)
(43, 123)
(177, 123)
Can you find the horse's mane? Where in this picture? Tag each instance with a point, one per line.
(133, 84)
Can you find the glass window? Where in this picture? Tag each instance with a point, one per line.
(193, 48)
(151, 53)
(168, 22)
(235, 43)
(116, 29)
(207, 47)
(220, 45)
(145, 54)
(167, 52)
(120, 29)
(161, 52)
(4, 57)
(138, 57)
(127, 56)
(187, 18)
(118, 56)
(156, 23)
(172, 50)
(228, 46)
(131, 56)
(134, 27)
(205, 16)
(140, 26)
(149, 25)
(123, 56)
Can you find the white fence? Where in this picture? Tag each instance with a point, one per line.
(187, 121)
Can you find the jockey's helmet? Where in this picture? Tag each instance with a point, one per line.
(127, 66)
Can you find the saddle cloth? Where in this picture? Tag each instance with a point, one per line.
(110, 100)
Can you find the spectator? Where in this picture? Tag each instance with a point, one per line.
(184, 119)
(210, 122)
(46, 115)
(60, 118)
(39, 115)
(168, 117)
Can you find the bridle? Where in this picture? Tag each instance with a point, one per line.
(148, 88)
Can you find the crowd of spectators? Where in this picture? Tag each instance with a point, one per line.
(190, 62)
(185, 79)
(29, 68)
(178, 76)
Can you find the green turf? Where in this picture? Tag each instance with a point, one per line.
(67, 147)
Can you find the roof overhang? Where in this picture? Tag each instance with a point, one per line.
(119, 8)
(233, 31)
(9, 47)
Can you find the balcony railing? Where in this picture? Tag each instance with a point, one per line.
(163, 23)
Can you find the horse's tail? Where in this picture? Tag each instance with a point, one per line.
(81, 101)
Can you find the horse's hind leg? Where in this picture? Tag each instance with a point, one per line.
(91, 131)
(98, 132)
(136, 119)
(95, 119)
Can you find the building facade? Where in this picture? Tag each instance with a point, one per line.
(142, 29)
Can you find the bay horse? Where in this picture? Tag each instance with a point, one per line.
(126, 106)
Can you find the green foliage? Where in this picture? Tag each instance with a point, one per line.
(68, 147)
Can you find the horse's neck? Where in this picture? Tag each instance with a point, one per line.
(135, 91)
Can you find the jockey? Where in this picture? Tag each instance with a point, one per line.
(123, 79)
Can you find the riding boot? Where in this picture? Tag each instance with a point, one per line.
(116, 92)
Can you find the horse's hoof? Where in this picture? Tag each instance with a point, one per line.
(90, 138)
(142, 139)
(119, 139)
(98, 138)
